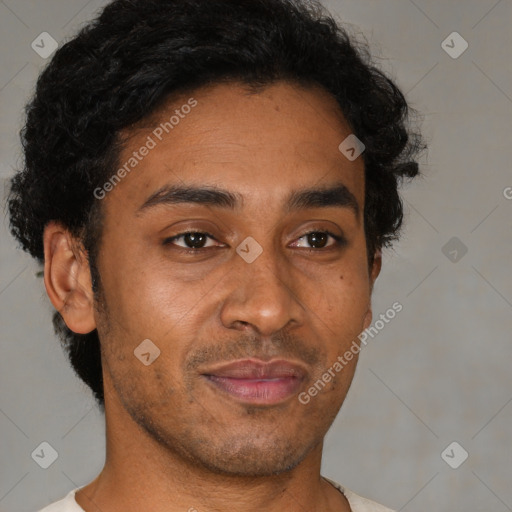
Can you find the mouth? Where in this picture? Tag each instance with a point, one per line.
(258, 382)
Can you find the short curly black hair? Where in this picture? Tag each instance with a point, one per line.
(126, 63)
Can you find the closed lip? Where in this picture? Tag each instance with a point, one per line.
(258, 369)
(257, 382)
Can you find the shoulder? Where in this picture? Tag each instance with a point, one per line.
(66, 504)
(358, 503)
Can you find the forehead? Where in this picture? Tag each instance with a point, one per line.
(284, 136)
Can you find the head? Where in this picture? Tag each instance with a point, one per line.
(240, 107)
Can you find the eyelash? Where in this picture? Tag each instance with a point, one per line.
(340, 241)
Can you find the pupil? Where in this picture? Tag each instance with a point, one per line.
(317, 238)
(195, 240)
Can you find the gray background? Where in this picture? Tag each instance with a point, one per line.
(439, 372)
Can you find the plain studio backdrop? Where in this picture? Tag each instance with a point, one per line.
(434, 385)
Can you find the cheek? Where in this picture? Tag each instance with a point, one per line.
(341, 310)
(343, 300)
(135, 287)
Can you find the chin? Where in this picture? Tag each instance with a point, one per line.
(238, 458)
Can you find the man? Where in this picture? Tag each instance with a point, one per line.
(209, 184)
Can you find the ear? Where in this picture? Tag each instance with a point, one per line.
(376, 267)
(67, 278)
(374, 272)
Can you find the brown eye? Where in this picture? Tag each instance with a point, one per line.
(320, 240)
(195, 240)
(317, 240)
(191, 240)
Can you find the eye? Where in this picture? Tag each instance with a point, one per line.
(192, 240)
(320, 240)
(195, 241)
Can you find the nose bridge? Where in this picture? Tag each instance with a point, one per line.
(262, 294)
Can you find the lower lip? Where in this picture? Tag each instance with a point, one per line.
(258, 391)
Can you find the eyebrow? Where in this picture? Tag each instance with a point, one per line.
(337, 195)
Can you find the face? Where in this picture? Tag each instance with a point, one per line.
(236, 246)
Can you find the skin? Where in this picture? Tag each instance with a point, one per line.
(174, 441)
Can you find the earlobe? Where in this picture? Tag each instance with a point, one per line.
(375, 271)
(67, 278)
(376, 267)
(367, 317)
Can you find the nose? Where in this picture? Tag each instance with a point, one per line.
(263, 297)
